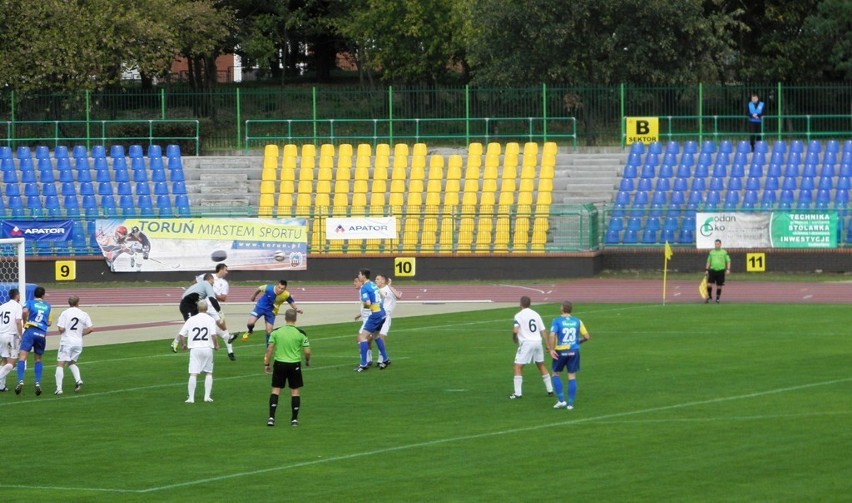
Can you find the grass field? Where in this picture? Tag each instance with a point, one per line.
(677, 403)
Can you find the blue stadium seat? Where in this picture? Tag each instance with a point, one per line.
(670, 223)
(680, 184)
(790, 183)
(155, 163)
(752, 183)
(701, 171)
(626, 185)
(776, 158)
(84, 176)
(10, 177)
(750, 197)
(630, 237)
(644, 185)
(142, 189)
(653, 223)
(678, 197)
(686, 236)
(634, 159)
(183, 211)
(28, 176)
(178, 188)
(14, 202)
(823, 196)
(102, 175)
(713, 197)
(806, 196)
(655, 148)
(743, 147)
(51, 202)
(787, 196)
(89, 203)
(44, 164)
(825, 183)
(108, 206)
(732, 197)
(5, 152)
(725, 147)
(137, 163)
(717, 183)
(616, 224)
(66, 176)
(173, 150)
(660, 197)
(98, 151)
(779, 146)
(761, 147)
(612, 238)
(31, 189)
(164, 206)
(122, 175)
(158, 175)
(116, 151)
(144, 201)
(174, 163)
(126, 200)
(86, 189)
(135, 152)
(768, 199)
(637, 148)
(48, 189)
(155, 151)
(814, 146)
(176, 175)
(735, 184)
(648, 172)
(699, 184)
(640, 198)
(656, 209)
(101, 163)
(809, 170)
(34, 202)
(705, 159)
(668, 236)
(841, 198)
(105, 189)
(119, 164)
(708, 147)
(832, 146)
(829, 158)
(771, 183)
(24, 152)
(683, 171)
(619, 209)
(81, 163)
(827, 170)
(806, 182)
(43, 248)
(845, 170)
(772, 170)
(8, 165)
(690, 147)
(70, 202)
(741, 158)
(663, 184)
(737, 171)
(140, 175)
(79, 152)
(123, 189)
(844, 182)
(669, 159)
(649, 237)
(161, 188)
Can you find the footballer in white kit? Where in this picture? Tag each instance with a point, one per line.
(528, 333)
(198, 334)
(73, 324)
(221, 288)
(11, 328)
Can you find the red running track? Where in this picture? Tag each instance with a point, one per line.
(592, 290)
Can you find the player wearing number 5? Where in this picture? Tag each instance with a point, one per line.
(566, 335)
(199, 336)
(73, 324)
(528, 334)
(37, 316)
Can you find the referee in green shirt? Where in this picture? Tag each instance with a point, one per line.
(287, 344)
(718, 264)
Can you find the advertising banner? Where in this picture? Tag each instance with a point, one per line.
(337, 229)
(787, 229)
(43, 230)
(198, 244)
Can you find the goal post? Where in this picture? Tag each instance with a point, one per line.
(13, 266)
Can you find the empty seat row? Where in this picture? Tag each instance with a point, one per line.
(79, 151)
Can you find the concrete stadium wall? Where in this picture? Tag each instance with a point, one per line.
(431, 268)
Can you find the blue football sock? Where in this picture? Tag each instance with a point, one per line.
(380, 343)
(557, 387)
(364, 346)
(21, 366)
(39, 368)
(572, 391)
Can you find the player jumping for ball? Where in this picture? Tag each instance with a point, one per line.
(271, 298)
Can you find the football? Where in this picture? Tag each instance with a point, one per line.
(280, 256)
(218, 255)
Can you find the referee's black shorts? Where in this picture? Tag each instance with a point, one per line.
(189, 306)
(716, 277)
(287, 372)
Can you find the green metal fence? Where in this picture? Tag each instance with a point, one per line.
(448, 113)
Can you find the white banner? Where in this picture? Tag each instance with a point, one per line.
(779, 229)
(337, 229)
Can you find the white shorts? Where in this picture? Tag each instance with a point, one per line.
(201, 360)
(9, 346)
(385, 326)
(68, 353)
(529, 352)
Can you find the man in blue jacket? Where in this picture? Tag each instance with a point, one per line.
(755, 118)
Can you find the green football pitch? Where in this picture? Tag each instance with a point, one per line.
(675, 403)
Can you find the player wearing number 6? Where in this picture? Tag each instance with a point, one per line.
(37, 316)
(528, 334)
(566, 335)
(199, 336)
(73, 324)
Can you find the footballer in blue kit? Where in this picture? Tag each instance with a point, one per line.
(566, 335)
(37, 320)
(271, 298)
(371, 299)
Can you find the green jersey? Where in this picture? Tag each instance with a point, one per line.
(289, 342)
(718, 259)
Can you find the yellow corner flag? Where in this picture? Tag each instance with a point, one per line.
(669, 252)
(702, 288)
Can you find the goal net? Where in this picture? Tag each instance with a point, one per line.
(12, 271)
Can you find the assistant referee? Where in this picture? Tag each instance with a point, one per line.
(718, 264)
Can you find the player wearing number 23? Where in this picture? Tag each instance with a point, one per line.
(199, 336)
(566, 335)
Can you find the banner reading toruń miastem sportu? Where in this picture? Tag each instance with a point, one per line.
(198, 244)
(778, 229)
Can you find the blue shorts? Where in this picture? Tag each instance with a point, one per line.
(266, 314)
(567, 360)
(374, 322)
(33, 340)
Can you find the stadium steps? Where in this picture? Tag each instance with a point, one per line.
(222, 182)
(591, 177)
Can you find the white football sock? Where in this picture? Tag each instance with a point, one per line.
(60, 374)
(519, 384)
(548, 383)
(75, 371)
(208, 386)
(190, 388)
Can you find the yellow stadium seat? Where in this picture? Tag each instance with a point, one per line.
(452, 186)
(270, 163)
(549, 148)
(267, 187)
(399, 173)
(306, 169)
(474, 162)
(429, 234)
(359, 187)
(397, 186)
(400, 162)
(317, 236)
(493, 148)
(324, 174)
(470, 199)
(510, 157)
(433, 201)
(414, 200)
(451, 199)
(418, 163)
(489, 173)
(466, 227)
(379, 186)
(486, 203)
(380, 173)
(270, 151)
(445, 235)
(548, 160)
(400, 150)
(322, 202)
(527, 185)
(377, 201)
(288, 163)
(267, 200)
(290, 150)
(471, 185)
(506, 198)
(545, 185)
(530, 154)
(419, 149)
(344, 163)
(520, 235)
(474, 149)
(362, 173)
(323, 187)
(484, 226)
(512, 149)
(303, 200)
(454, 167)
(528, 172)
(409, 241)
(539, 235)
(508, 185)
(415, 186)
(382, 150)
(286, 187)
(510, 172)
(544, 198)
(546, 172)
(340, 206)
(341, 187)
(472, 173)
(344, 150)
(308, 150)
(492, 161)
(373, 245)
(365, 150)
(502, 233)
(305, 186)
(436, 167)
(397, 199)
(434, 186)
(268, 174)
(326, 162)
(342, 174)
(489, 185)
(285, 204)
(525, 198)
(327, 150)
(366, 162)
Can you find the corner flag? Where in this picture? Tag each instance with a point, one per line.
(669, 252)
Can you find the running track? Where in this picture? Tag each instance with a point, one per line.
(577, 291)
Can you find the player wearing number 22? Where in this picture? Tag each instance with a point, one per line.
(37, 316)
(527, 334)
(199, 336)
(566, 335)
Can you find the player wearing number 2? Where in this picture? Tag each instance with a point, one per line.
(37, 316)
(73, 324)
(527, 334)
(198, 334)
(566, 335)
